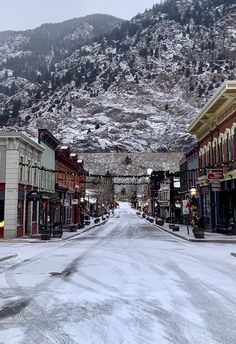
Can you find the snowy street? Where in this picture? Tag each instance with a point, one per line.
(124, 282)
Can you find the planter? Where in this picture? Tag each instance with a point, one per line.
(73, 228)
(151, 220)
(175, 228)
(171, 226)
(57, 233)
(45, 236)
(198, 234)
(160, 222)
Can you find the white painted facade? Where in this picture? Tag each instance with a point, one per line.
(15, 180)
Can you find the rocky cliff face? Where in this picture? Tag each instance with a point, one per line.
(135, 89)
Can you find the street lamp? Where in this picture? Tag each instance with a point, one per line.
(193, 206)
(82, 211)
(197, 231)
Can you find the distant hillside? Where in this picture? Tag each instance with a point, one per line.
(134, 89)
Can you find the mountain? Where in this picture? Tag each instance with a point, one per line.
(134, 89)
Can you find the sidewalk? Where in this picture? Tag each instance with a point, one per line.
(209, 237)
(66, 235)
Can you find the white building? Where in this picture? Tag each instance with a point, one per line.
(18, 215)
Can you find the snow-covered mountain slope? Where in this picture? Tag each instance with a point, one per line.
(135, 89)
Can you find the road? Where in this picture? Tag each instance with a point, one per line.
(125, 282)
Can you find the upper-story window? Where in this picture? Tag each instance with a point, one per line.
(215, 154)
(209, 157)
(35, 173)
(29, 172)
(222, 156)
(227, 147)
(21, 168)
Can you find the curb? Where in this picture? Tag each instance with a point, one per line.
(43, 241)
(87, 229)
(214, 241)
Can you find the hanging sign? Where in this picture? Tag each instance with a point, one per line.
(215, 174)
(215, 186)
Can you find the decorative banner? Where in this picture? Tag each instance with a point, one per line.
(185, 207)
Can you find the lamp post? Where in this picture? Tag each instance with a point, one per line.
(82, 211)
(193, 206)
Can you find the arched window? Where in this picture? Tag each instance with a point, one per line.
(222, 156)
(228, 147)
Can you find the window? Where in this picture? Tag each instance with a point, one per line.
(35, 173)
(215, 154)
(20, 206)
(34, 212)
(227, 146)
(28, 172)
(1, 210)
(209, 157)
(222, 157)
(21, 169)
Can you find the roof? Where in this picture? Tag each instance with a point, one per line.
(219, 102)
(23, 137)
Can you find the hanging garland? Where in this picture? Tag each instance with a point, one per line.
(109, 175)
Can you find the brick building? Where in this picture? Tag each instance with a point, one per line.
(215, 130)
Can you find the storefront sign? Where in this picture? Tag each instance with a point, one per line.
(215, 174)
(74, 201)
(66, 202)
(215, 186)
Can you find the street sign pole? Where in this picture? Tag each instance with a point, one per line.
(187, 216)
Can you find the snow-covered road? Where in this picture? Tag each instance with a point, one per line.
(125, 282)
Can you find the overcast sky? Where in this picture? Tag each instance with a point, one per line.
(28, 14)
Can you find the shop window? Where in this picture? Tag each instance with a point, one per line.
(1, 210)
(20, 207)
(34, 212)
